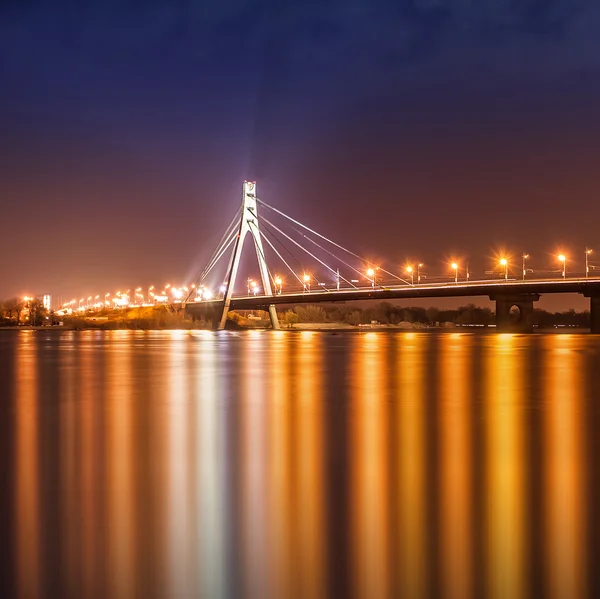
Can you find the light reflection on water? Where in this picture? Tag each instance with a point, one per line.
(267, 464)
(455, 455)
(505, 482)
(564, 474)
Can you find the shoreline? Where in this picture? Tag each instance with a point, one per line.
(312, 327)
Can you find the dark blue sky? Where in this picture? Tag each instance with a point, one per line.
(400, 128)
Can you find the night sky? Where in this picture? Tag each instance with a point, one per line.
(400, 128)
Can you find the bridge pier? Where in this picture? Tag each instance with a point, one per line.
(273, 317)
(514, 312)
(594, 313)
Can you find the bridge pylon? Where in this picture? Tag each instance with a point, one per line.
(249, 224)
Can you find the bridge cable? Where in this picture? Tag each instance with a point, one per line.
(305, 250)
(280, 256)
(312, 231)
(218, 256)
(296, 259)
(228, 232)
(329, 241)
(207, 270)
(266, 228)
(329, 252)
(302, 267)
(232, 225)
(213, 262)
(395, 276)
(266, 233)
(216, 260)
(345, 263)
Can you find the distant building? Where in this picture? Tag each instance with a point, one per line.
(47, 302)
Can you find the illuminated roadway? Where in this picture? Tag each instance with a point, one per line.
(491, 288)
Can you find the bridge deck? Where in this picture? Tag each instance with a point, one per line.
(461, 289)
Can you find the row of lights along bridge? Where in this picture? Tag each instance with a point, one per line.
(172, 294)
(411, 270)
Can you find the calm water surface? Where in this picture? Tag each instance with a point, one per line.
(265, 464)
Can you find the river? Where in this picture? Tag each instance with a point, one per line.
(299, 464)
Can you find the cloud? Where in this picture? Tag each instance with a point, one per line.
(381, 37)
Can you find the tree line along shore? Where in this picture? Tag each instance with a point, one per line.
(321, 316)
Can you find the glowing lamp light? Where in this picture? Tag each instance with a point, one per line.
(562, 258)
(370, 272)
(207, 294)
(504, 263)
(454, 267)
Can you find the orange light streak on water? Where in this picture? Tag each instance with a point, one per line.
(369, 464)
(455, 457)
(506, 481)
(564, 440)
(27, 521)
(411, 451)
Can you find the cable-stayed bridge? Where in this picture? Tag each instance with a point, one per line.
(297, 264)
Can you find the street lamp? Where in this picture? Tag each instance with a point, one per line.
(250, 281)
(504, 262)
(562, 258)
(454, 266)
(409, 270)
(524, 257)
(254, 287)
(418, 274)
(371, 273)
(278, 283)
(587, 266)
(306, 279)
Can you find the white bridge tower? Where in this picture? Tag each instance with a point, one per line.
(249, 224)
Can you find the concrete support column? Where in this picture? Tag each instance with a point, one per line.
(514, 312)
(273, 317)
(595, 314)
